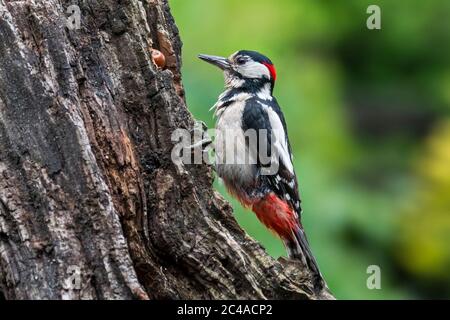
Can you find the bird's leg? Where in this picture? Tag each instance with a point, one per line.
(202, 143)
(200, 131)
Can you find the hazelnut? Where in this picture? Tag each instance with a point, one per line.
(158, 58)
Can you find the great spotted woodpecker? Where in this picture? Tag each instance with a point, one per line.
(248, 104)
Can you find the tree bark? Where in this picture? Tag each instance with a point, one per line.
(91, 204)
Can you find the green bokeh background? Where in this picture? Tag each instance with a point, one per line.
(368, 113)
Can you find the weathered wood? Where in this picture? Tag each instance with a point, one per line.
(86, 178)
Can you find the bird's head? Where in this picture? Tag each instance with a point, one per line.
(245, 69)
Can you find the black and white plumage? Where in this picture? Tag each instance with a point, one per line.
(266, 115)
(260, 173)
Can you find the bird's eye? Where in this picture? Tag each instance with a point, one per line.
(240, 60)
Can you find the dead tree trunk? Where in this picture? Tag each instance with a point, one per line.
(91, 205)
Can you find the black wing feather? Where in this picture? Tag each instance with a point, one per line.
(284, 182)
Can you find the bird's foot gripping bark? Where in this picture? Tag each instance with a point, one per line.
(200, 137)
(200, 145)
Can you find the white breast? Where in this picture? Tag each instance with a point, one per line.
(234, 163)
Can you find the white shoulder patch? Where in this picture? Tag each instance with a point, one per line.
(280, 144)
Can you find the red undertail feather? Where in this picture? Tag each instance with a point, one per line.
(276, 215)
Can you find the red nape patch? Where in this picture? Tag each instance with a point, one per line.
(273, 72)
(276, 215)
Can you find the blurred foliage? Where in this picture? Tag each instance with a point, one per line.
(359, 105)
(422, 245)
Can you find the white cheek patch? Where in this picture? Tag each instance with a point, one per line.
(254, 70)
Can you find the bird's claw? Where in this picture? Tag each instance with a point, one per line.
(200, 131)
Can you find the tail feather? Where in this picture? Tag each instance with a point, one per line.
(298, 248)
(279, 217)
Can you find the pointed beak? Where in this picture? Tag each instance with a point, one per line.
(221, 62)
